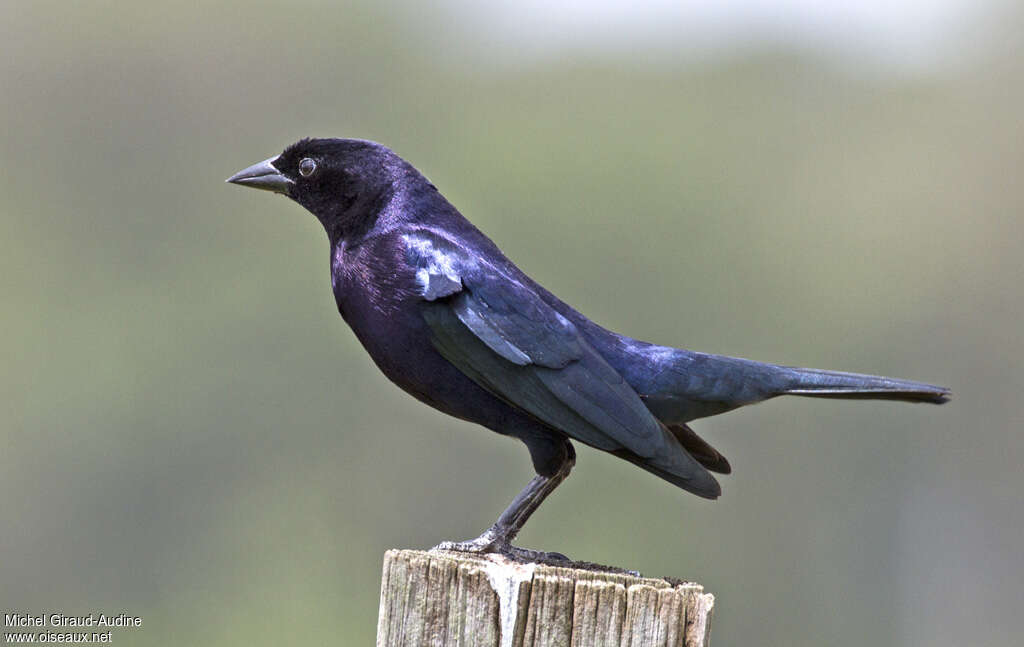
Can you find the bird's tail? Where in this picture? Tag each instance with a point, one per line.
(817, 383)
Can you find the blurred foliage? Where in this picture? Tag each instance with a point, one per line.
(192, 435)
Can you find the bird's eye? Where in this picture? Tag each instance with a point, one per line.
(307, 166)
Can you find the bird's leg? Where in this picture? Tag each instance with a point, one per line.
(498, 538)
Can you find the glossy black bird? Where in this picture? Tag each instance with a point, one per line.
(453, 322)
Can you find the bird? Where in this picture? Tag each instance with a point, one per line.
(449, 319)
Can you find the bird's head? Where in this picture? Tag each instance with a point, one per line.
(343, 182)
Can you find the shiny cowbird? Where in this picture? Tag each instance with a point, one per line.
(449, 319)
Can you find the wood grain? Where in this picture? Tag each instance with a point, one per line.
(462, 600)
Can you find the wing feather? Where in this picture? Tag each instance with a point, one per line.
(502, 335)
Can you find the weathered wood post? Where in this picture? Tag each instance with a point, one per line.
(462, 600)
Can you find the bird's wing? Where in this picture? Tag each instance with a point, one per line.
(507, 339)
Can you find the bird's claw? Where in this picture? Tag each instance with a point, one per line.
(527, 555)
(489, 542)
(478, 545)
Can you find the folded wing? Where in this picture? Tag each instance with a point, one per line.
(502, 335)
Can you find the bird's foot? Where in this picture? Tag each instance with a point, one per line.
(538, 556)
(492, 541)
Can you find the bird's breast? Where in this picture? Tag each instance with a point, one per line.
(377, 296)
(382, 306)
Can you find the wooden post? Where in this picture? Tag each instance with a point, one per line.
(463, 600)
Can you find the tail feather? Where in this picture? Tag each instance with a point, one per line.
(676, 463)
(703, 484)
(835, 384)
(699, 448)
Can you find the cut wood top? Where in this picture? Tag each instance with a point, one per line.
(458, 599)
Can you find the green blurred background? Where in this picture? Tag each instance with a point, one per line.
(191, 434)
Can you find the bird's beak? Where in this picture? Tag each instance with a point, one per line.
(263, 176)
